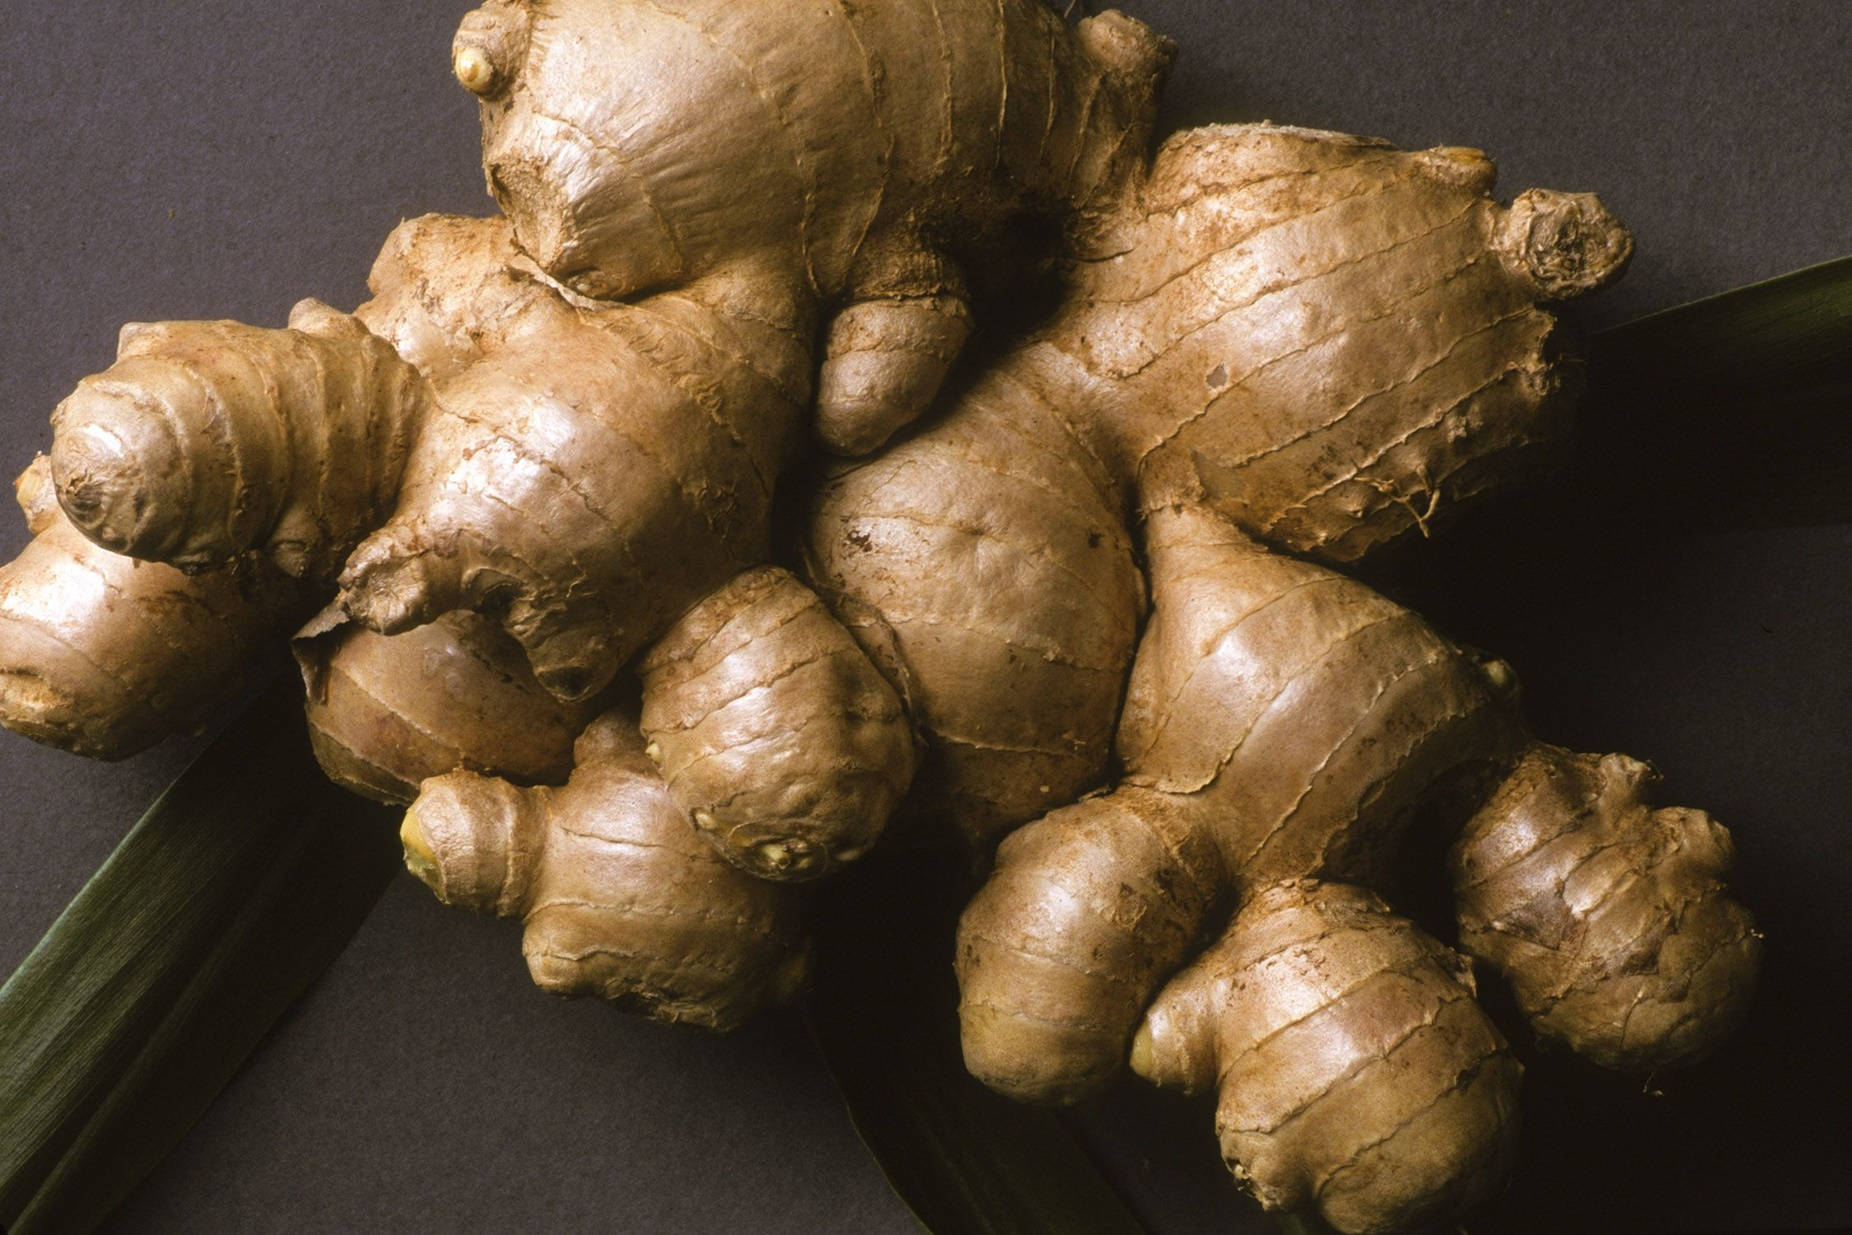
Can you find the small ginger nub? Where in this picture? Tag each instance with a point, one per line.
(1610, 918)
(621, 898)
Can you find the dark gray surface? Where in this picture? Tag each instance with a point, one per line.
(218, 159)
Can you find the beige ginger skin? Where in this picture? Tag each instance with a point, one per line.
(661, 268)
(1091, 591)
(680, 265)
(105, 656)
(1610, 918)
(580, 412)
(1292, 343)
(621, 899)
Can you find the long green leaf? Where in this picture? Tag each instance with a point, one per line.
(883, 1012)
(238, 888)
(1727, 412)
(1788, 331)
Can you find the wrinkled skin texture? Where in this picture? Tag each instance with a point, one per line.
(1356, 1074)
(387, 711)
(572, 421)
(700, 188)
(1088, 571)
(673, 255)
(621, 899)
(1292, 343)
(719, 692)
(207, 441)
(1617, 934)
(105, 656)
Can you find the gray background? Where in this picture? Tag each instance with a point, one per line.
(219, 159)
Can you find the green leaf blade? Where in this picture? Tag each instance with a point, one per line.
(1788, 332)
(235, 891)
(1729, 412)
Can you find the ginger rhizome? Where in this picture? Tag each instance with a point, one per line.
(576, 428)
(666, 274)
(206, 441)
(759, 676)
(1609, 918)
(238, 467)
(621, 899)
(1239, 343)
(386, 712)
(864, 156)
(1356, 1074)
(624, 896)
(619, 373)
(1090, 590)
(105, 656)
(1290, 342)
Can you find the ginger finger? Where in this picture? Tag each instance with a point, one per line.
(208, 439)
(105, 656)
(620, 896)
(1088, 910)
(1609, 918)
(773, 730)
(387, 712)
(1356, 1073)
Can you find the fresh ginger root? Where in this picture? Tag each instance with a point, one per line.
(105, 656)
(621, 898)
(207, 440)
(1327, 339)
(573, 421)
(731, 228)
(220, 473)
(865, 153)
(773, 730)
(593, 476)
(1609, 919)
(772, 744)
(1356, 1074)
(559, 486)
(238, 467)
(1294, 341)
(1239, 343)
(387, 712)
(1285, 724)
(600, 394)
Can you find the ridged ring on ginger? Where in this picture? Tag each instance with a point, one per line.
(121, 476)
